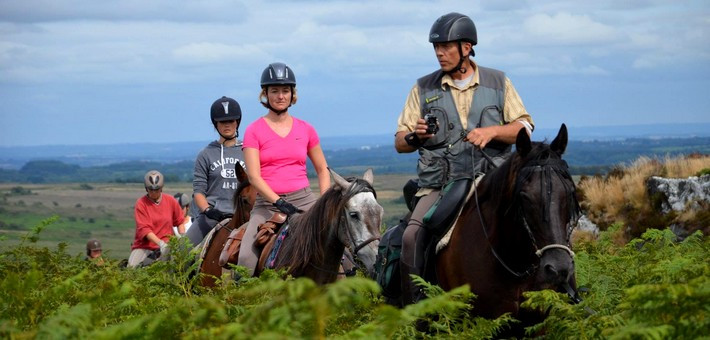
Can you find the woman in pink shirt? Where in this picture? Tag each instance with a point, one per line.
(275, 150)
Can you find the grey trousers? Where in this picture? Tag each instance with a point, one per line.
(415, 236)
(263, 210)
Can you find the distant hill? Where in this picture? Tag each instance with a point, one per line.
(591, 150)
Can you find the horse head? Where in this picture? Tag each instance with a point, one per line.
(546, 207)
(361, 233)
(244, 197)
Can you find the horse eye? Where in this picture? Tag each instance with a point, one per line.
(354, 215)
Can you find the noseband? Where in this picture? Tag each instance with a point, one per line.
(547, 167)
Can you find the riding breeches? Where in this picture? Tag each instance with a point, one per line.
(200, 228)
(262, 211)
(415, 236)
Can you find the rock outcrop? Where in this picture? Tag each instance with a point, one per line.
(679, 194)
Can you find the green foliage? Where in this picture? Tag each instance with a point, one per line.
(653, 287)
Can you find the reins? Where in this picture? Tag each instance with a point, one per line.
(546, 164)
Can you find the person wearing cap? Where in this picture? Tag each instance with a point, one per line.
(275, 149)
(93, 251)
(470, 110)
(215, 177)
(155, 214)
(184, 200)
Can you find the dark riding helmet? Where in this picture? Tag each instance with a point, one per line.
(453, 27)
(277, 74)
(93, 244)
(225, 108)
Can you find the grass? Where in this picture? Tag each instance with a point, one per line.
(105, 211)
(621, 196)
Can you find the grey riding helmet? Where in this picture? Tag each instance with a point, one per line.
(453, 27)
(277, 74)
(153, 180)
(183, 199)
(224, 109)
(93, 244)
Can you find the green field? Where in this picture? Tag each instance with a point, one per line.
(105, 211)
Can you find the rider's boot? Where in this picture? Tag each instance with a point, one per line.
(411, 292)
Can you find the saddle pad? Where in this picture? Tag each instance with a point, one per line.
(205, 244)
(444, 241)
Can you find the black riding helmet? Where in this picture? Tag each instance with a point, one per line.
(454, 27)
(278, 74)
(224, 109)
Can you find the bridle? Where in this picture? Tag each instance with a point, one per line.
(350, 244)
(547, 167)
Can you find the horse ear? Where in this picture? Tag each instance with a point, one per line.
(369, 177)
(560, 143)
(340, 182)
(241, 173)
(522, 143)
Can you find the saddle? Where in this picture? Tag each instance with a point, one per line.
(267, 231)
(443, 213)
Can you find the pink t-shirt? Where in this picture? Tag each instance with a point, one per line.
(283, 159)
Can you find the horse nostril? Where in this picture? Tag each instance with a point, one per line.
(550, 270)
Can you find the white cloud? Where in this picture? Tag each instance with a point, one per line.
(566, 28)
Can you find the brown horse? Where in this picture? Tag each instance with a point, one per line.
(345, 216)
(214, 242)
(513, 234)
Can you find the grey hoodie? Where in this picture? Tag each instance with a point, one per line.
(215, 176)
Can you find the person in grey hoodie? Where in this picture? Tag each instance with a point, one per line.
(215, 177)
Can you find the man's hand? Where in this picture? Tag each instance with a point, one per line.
(286, 208)
(482, 136)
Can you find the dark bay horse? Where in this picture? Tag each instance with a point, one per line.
(214, 242)
(513, 234)
(345, 216)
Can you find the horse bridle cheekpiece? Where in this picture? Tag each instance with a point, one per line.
(357, 186)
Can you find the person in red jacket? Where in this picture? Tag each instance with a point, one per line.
(155, 215)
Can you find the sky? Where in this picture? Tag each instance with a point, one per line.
(76, 72)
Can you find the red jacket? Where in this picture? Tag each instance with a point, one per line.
(157, 218)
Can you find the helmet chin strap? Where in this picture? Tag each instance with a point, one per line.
(236, 132)
(459, 67)
(277, 112)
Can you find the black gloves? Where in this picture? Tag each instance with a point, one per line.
(286, 208)
(214, 214)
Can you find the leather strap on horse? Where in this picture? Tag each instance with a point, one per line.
(230, 253)
(269, 228)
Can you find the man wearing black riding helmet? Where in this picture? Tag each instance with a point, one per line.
(215, 177)
(452, 117)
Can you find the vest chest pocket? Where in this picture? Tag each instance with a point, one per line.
(432, 169)
(490, 116)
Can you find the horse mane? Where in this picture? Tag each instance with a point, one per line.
(498, 185)
(306, 231)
